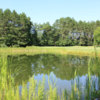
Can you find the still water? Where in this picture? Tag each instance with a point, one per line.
(61, 70)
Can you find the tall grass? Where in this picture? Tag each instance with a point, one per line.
(36, 91)
(10, 91)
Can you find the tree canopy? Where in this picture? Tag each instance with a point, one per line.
(18, 30)
(97, 36)
(15, 29)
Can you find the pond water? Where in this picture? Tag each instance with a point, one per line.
(62, 70)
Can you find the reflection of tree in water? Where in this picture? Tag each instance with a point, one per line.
(95, 66)
(22, 67)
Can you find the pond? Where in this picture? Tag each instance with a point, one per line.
(65, 72)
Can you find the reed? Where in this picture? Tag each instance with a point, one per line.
(36, 91)
(10, 91)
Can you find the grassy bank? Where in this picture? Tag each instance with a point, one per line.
(73, 50)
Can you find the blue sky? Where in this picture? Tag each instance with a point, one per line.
(41, 11)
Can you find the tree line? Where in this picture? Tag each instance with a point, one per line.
(18, 30)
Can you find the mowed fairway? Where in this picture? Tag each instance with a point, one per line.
(73, 50)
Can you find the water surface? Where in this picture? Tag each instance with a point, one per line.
(62, 70)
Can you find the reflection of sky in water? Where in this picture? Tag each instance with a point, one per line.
(66, 84)
(60, 84)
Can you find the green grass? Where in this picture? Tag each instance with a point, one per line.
(73, 50)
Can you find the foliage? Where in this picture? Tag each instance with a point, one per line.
(67, 32)
(15, 29)
(97, 36)
(18, 30)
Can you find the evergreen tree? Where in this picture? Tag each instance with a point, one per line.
(97, 36)
(2, 36)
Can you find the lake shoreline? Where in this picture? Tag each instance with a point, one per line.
(72, 50)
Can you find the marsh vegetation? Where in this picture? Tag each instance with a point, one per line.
(49, 77)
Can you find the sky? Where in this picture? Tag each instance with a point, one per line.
(41, 11)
